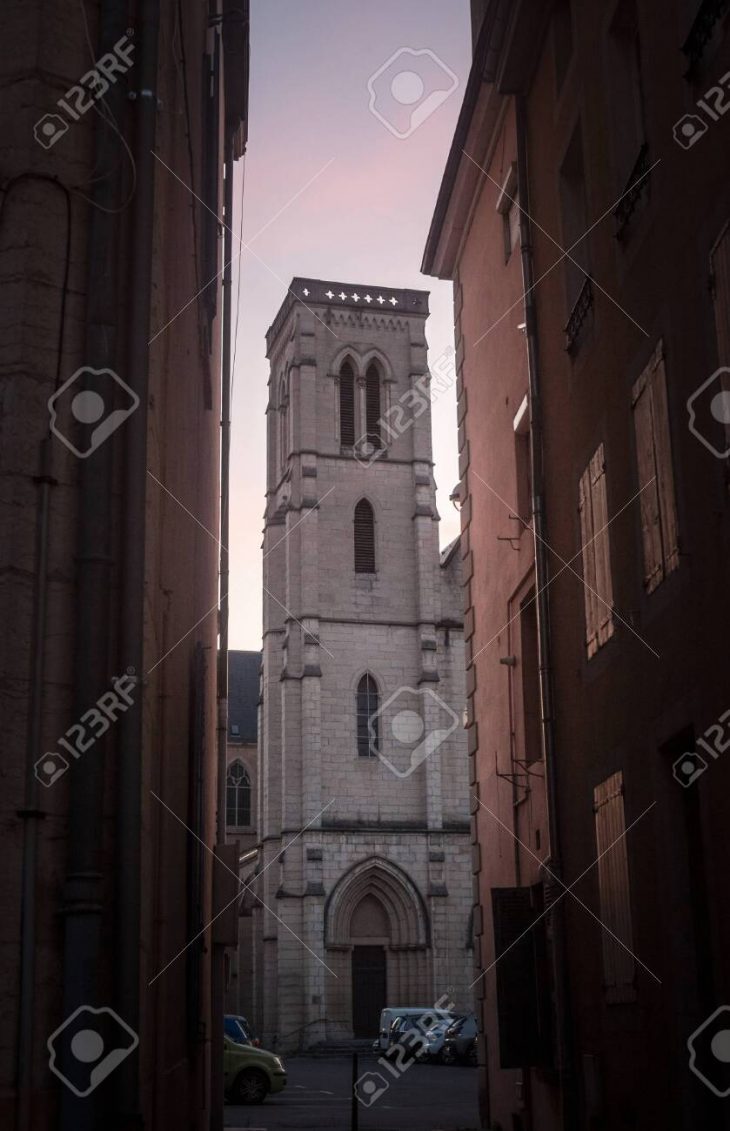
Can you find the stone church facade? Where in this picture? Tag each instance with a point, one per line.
(363, 879)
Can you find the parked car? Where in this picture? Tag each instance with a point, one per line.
(435, 1037)
(388, 1016)
(239, 1030)
(406, 1039)
(460, 1041)
(250, 1074)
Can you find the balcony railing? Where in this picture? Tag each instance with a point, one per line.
(636, 186)
(578, 315)
(701, 32)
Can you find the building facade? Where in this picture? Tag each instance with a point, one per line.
(583, 217)
(364, 888)
(112, 374)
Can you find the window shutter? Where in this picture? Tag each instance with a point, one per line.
(364, 538)
(588, 553)
(613, 884)
(604, 581)
(347, 406)
(654, 457)
(665, 472)
(649, 497)
(523, 1009)
(372, 406)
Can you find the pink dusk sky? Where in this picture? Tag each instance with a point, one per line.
(331, 193)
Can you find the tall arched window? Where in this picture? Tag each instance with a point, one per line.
(238, 795)
(364, 529)
(347, 405)
(368, 728)
(283, 423)
(372, 406)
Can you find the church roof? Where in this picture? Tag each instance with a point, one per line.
(448, 552)
(243, 695)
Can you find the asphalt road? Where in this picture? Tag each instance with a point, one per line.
(317, 1098)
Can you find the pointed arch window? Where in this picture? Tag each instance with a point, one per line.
(347, 405)
(372, 406)
(283, 423)
(238, 795)
(368, 728)
(364, 530)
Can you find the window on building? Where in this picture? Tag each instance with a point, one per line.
(614, 891)
(562, 41)
(625, 86)
(364, 530)
(508, 206)
(368, 721)
(235, 730)
(347, 405)
(656, 479)
(595, 552)
(372, 406)
(523, 468)
(530, 664)
(283, 423)
(238, 795)
(574, 216)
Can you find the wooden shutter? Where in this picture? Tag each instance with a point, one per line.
(347, 406)
(364, 538)
(523, 1000)
(660, 536)
(372, 406)
(588, 554)
(613, 885)
(604, 581)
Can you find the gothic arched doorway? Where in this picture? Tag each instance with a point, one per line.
(377, 930)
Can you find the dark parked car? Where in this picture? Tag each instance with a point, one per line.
(460, 1042)
(406, 1039)
(239, 1030)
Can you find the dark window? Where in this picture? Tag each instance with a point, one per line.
(372, 406)
(574, 214)
(523, 992)
(364, 538)
(238, 795)
(347, 406)
(627, 103)
(368, 729)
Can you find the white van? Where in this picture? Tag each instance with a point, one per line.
(429, 1014)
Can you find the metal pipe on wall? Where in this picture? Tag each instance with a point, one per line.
(218, 1003)
(131, 737)
(547, 711)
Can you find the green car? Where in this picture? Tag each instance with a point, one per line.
(250, 1073)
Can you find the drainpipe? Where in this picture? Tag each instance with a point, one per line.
(31, 811)
(219, 952)
(542, 577)
(83, 895)
(131, 737)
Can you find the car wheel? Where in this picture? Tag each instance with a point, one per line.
(471, 1056)
(250, 1087)
(448, 1056)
